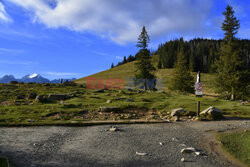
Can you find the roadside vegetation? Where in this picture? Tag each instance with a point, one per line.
(19, 107)
(237, 144)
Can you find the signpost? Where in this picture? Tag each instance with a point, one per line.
(198, 91)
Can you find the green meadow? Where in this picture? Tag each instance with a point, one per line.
(16, 108)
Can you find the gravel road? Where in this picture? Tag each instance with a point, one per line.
(95, 146)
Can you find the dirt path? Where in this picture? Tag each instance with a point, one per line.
(94, 146)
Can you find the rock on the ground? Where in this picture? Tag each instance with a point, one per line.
(113, 129)
(30, 120)
(182, 159)
(188, 150)
(99, 91)
(109, 101)
(197, 153)
(212, 113)
(175, 118)
(175, 139)
(141, 154)
(109, 109)
(32, 95)
(57, 97)
(20, 97)
(177, 112)
(129, 100)
(41, 98)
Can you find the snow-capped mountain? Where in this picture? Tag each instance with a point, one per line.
(34, 78)
(31, 78)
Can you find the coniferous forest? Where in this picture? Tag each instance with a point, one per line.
(200, 53)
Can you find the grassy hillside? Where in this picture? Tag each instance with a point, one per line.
(128, 70)
(19, 106)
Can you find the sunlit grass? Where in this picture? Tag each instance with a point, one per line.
(237, 144)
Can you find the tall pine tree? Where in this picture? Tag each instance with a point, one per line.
(182, 80)
(144, 65)
(232, 79)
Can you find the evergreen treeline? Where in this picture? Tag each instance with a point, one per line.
(200, 53)
(125, 60)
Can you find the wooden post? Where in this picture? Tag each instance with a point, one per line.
(198, 103)
(198, 108)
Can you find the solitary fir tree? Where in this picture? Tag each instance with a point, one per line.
(112, 65)
(232, 77)
(144, 65)
(182, 80)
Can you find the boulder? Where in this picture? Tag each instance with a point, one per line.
(99, 91)
(57, 97)
(176, 118)
(212, 113)
(41, 98)
(32, 95)
(177, 112)
(20, 97)
(109, 109)
(109, 101)
(129, 100)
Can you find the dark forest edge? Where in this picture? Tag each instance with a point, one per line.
(200, 53)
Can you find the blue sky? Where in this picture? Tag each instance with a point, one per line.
(76, 38)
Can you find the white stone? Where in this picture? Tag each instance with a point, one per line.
(188, 150)
(141, 154)
(113, 129)
(197, 153)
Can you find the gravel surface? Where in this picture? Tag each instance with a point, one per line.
(97, 146)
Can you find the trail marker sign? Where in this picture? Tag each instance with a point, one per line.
(198, 89)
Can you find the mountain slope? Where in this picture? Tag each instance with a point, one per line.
(7, 79)
(34, 78)
(128, 70)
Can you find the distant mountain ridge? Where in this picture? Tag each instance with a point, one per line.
(31, 78)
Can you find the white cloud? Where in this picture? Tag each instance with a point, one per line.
(100, 53)
(119, 57)
(3, 15)
(61, 74)
(16, 62)
(10, 51)
(121, 20)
